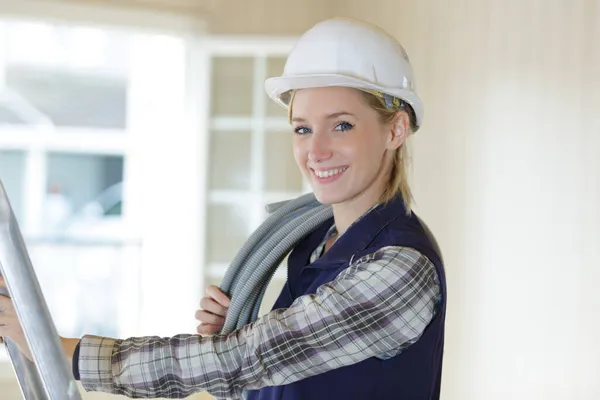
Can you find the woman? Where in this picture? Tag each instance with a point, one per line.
(362, 313)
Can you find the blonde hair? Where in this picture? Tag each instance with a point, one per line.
(398, 179)
(401, 161)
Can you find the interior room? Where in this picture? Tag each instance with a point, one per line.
(139, 149)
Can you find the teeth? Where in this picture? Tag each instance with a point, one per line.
(331, 172)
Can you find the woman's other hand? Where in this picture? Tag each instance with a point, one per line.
(213, 309)
(10, 327)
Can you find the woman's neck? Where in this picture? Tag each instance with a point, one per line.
(345, 214)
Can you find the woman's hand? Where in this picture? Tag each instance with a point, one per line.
(10, 327)
(213, 310)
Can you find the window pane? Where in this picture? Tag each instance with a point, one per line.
(66, 75)
(84, 275)
(230, 160)
(84, 195)
(275, 68)
(227, 230)
(282, 171)
(84, 283)
(232, 80)
(67, 98)
(9, 115)
(12, 174)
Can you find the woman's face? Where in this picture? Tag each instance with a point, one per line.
(340, 144)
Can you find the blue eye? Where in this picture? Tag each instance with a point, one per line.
(344, 126)
(301, 130)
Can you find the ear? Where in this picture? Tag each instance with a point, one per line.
(398, 130)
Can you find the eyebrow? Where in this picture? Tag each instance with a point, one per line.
(329, 116)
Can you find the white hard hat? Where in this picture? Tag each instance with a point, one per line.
(351, 53)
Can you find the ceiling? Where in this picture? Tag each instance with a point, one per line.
(280, 17)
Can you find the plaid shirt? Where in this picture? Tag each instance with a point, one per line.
(376, 307)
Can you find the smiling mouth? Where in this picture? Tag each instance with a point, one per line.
(330, 173)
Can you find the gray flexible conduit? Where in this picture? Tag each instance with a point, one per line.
(266, 245)
(281, 210)
(250, 272)
(285, 240)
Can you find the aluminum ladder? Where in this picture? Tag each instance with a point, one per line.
(50, 377)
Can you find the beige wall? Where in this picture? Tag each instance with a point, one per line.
(506, 174)
(287, 17)
(507, 162)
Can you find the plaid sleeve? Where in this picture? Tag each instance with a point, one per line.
(376, 307)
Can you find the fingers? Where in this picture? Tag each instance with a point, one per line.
(6, 306)
(7, 317)
(212, 306)
(213, 311)
(207, 329)
(3, 283)
(10, 326)
(216, 293)
(208, 318)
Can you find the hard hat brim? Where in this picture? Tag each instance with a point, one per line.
(277, 86)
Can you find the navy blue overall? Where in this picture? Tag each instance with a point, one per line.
(414, 374)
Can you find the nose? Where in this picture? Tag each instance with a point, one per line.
(319, 147)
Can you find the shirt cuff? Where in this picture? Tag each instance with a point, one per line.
(75, 365)
(95, 363)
